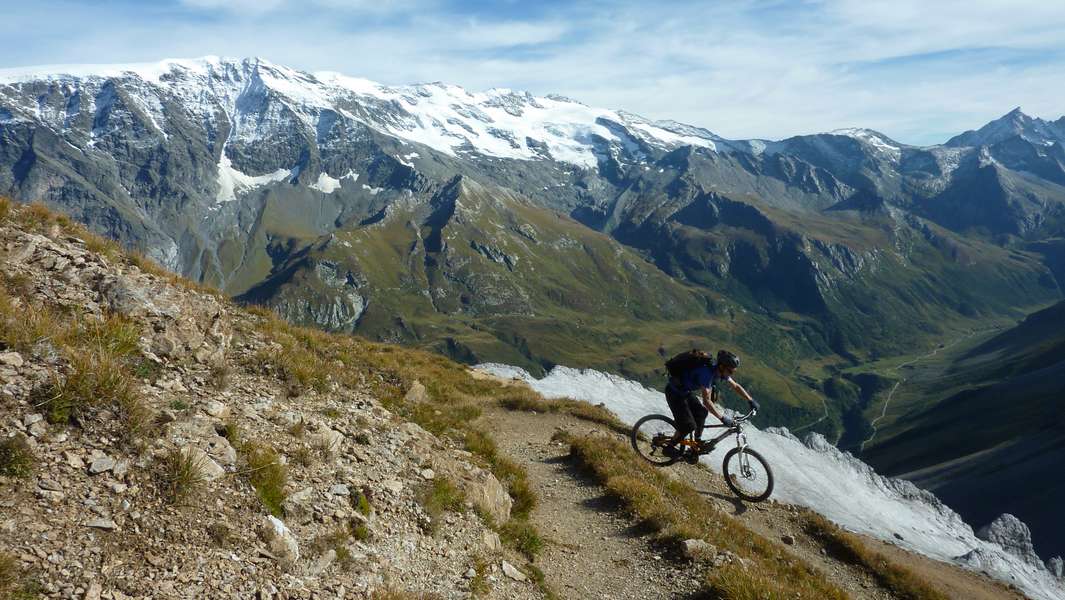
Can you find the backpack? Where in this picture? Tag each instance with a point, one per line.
(687, 361)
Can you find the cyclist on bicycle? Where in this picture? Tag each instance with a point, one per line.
(692, 396)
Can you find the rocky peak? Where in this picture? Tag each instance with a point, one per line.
(1013, 124)
(1013, 535)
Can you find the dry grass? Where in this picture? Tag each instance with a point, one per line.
(303, 456)
(438, 497)
(101, 360)
(218, 377)
(233, 433)
(93, 379)
(337, 540)
(181, 475)
(849, 548)
(15, 582)
(509, 473)
(298, 428)
(267, 475)
(98, 244)
(220, 533)
(16, 457)
(529, 401)
(23, 325)
(675, 512)
(523, 537)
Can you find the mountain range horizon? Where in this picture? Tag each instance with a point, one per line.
(504, 227)
(13, 74)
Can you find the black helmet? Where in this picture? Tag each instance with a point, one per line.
(728, 359)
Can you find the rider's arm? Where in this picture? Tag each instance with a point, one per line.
(739, 390)
(709, 404)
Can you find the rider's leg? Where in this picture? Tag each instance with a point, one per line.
(682, 416)
(699, 414)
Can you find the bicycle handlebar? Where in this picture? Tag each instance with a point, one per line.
(751, 413)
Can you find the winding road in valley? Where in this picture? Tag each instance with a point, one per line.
(894, 388)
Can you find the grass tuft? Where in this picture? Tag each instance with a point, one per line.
(522, 536)
(362, 504)
(267, 475)
(16, 457)
(218, 377)
(438, 497)
(101, 355)
(233, 433)
(510, 474)
(15, 582)
(181, 475)
(220, 533)
(337, 541)
(529, 401)
(303, 456)
(93, 379)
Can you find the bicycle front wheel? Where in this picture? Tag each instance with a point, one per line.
(747, 474)
(648, 438)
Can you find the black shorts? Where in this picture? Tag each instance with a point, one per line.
(689, 414)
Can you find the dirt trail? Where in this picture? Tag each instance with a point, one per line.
(593, 550)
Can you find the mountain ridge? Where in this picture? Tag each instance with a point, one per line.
(496, 226)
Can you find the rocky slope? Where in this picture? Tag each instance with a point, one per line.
(99, 503)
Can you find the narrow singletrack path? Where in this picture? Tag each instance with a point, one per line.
(593, 550)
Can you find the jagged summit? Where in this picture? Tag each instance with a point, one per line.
(1013, 124)
(500, 122)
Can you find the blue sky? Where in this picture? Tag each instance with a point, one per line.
(915, 70)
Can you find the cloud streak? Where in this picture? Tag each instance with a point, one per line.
(917, 71)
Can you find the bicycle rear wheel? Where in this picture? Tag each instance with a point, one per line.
(648, 438)
(747, 474)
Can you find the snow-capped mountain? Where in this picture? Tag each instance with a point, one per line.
(498, 123)
(1013, 124)
(815, 474)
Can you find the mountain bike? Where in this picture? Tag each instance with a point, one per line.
(747, 474)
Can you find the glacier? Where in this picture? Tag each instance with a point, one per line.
(816, 474)
(498, 123)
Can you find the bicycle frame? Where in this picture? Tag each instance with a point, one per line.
(741, 438)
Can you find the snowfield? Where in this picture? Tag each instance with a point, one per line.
(815, 474)
(500, 123)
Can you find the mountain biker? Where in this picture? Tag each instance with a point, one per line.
(691, 397)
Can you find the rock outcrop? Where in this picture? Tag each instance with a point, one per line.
(1013, 535)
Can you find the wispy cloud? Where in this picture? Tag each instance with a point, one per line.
(917, 71)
